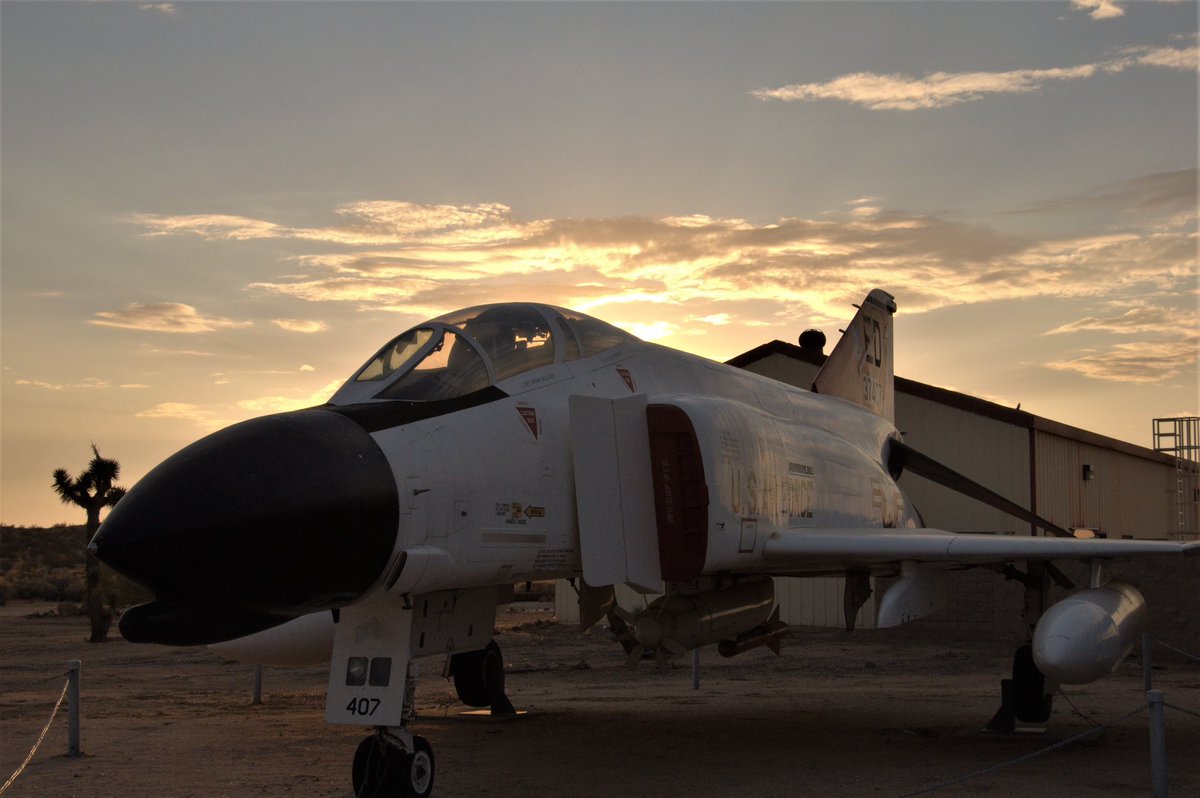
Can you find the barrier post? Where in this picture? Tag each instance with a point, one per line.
(695, 668)
(1158, 744)
(73, 707)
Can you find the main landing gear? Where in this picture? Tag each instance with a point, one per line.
(1026, 697)
(479, 679)
(1023, 697)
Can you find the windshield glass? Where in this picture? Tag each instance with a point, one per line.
(395, 355)
(515, 338)
(468, 350)
(595, 335)
(451, 368)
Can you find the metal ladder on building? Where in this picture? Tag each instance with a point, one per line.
(1180, 438)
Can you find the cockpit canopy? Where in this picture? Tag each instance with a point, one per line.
(468, 350)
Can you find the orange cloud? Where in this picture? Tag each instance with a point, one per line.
(170, 317)
(282, 404)
(712, 270)
(897, 92)
(1137, 320)
(300, 325)
(204, 417)
(1141, 362)
(93, 383)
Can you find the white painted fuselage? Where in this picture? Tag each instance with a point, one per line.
(488, 493)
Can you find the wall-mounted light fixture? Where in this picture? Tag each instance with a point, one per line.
(1088, 473)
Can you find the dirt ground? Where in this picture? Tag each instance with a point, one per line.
(872, 713)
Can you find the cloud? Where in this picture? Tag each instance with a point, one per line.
(204, 417)
(1175, 191)
(1100, 9)
(169, 317)
(282, 404)
(819, 264)
(696, 270)
(1183, 59)
(1141, 320)
(210, 226)
(1141, 362)
(715, 319)
(366, 223)
(897, 92)
(300, 325)
(90, 383)
(160, 350)
(1169, 347)
(219, 415)
(171, 410)
(163, 8)
(651, 331)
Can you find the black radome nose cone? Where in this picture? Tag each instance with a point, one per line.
(280, 515)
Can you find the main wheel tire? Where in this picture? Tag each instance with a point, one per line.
(478, 675)
(420, 769)
(467, 669)
(1032, 704)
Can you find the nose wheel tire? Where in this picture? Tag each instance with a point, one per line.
(381, 770)
(420, 769)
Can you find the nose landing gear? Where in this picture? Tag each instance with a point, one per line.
(392, 763)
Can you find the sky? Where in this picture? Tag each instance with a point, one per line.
(213, 211)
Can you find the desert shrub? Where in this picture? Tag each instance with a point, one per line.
(43, 564)
(28, 580)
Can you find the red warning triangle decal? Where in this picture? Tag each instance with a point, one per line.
(529, 416)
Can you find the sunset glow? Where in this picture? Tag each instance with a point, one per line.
(217, 211)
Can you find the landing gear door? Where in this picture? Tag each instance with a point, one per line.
(371, 652)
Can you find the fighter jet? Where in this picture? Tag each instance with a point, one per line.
(513, 442)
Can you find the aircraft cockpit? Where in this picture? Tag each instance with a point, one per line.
(469, 350)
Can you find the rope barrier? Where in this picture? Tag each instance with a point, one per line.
(40, 738)
(1176, 650)
(1181, 709)
(1076, 709)
(1092, 732)
(52, 678)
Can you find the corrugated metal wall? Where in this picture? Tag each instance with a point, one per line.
(1127, 496)
(990, 452)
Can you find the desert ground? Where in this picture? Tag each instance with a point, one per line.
(871, 713)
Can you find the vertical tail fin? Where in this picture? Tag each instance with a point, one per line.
(860, 368)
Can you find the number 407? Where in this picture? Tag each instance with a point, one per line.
(362, 706)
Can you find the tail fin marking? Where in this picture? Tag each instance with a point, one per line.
(859, 369)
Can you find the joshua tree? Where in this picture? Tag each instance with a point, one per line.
(93, 491)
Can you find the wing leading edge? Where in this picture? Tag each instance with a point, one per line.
(867, 547)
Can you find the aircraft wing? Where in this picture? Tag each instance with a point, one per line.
(867, 547)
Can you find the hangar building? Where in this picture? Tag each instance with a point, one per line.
(1074, 478)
